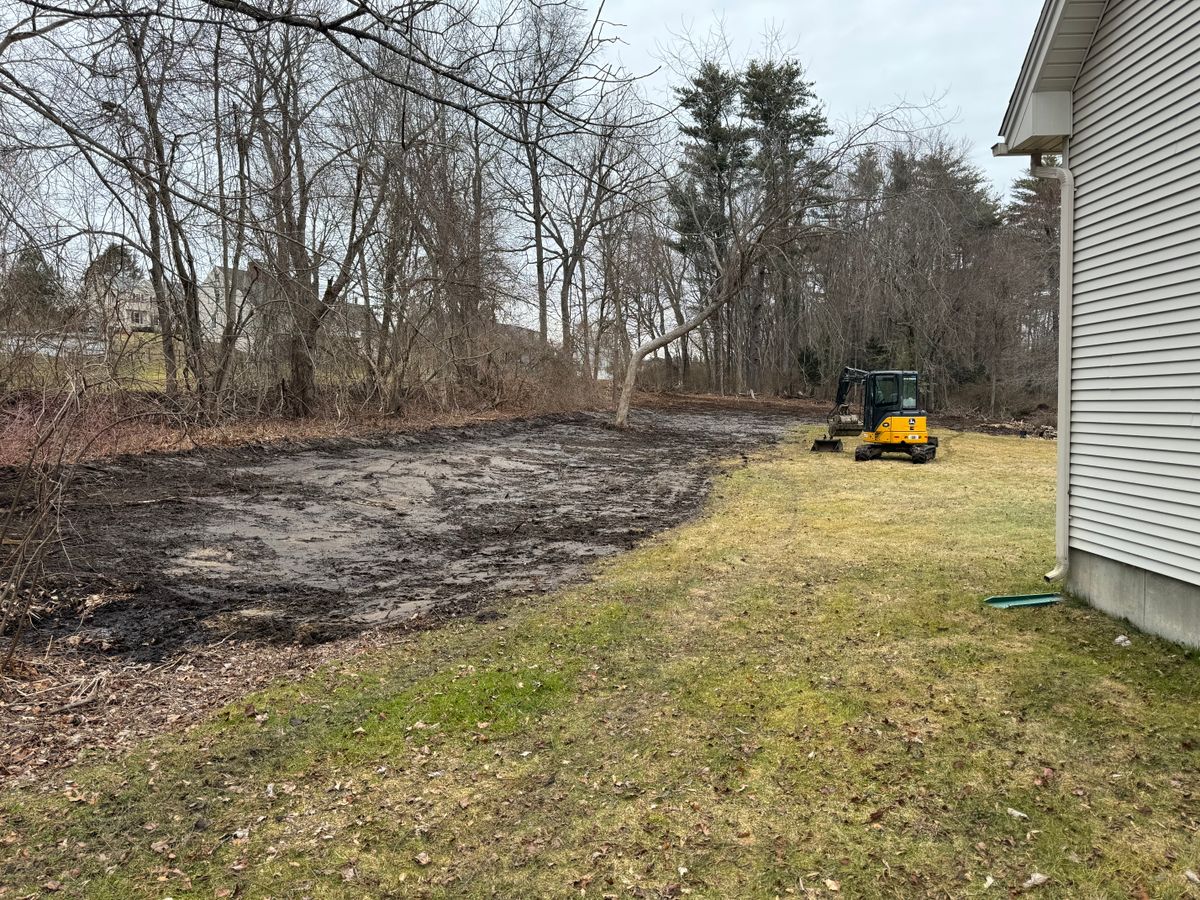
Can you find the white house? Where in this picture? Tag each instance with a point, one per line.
(241, 290)
(123, 304)
(260, 313)
(1111, 88)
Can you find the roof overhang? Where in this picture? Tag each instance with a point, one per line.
(1039, 118)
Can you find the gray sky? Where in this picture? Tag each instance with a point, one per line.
(865, 54)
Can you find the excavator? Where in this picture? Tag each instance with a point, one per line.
(892, 420)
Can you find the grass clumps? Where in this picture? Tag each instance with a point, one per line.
(799, 694)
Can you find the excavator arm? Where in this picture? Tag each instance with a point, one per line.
(842, 419)
(848, 379)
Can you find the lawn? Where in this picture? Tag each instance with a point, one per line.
(798, 694)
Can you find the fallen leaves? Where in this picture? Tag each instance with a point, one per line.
(1037, 879)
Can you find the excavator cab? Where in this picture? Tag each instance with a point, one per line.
(892, 418)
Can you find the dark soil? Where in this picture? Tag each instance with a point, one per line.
(179, 551)
(187, 580)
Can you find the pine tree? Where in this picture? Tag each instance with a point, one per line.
(716, 153)
(115, 265)
(32, 291)
(784, 119)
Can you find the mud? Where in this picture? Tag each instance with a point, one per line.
(308, 545)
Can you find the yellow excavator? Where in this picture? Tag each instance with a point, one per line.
(892, 420)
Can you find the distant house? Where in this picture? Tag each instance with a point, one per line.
(1110, 88)
(349, 319)
(225, 289)
(252, 295)
(124, 305)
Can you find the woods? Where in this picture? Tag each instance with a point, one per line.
(306, 208)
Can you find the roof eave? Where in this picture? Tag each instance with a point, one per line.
(1039, 118)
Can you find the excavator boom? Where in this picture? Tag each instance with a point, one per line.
(842, 419)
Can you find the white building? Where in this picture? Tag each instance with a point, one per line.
(259, 311)
(1111, 88)
(242, 291)
(124, 305)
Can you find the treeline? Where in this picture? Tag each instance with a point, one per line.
(309, 204)
(890, 252)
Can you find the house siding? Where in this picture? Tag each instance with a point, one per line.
(1135, 383)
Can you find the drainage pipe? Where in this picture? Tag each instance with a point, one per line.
(1066, 267)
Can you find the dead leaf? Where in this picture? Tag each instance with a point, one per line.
(1016, 813)
(833, 885)
(1037, 879)
(424, 858)
(1192, 876)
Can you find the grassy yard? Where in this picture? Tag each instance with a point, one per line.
(799, 694)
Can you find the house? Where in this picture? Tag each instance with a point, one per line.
(1110, 88)
(225, 289)
(258, 308)
(124, 304)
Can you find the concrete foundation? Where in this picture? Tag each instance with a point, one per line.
(1152, 602)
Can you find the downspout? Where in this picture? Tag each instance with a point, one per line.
(1066, 274)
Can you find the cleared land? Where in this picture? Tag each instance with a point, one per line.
(190, 578)
(798, 693)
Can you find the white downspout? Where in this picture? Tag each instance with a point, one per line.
(1066, 271)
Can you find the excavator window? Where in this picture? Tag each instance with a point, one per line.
(885, 391)
(909, 392)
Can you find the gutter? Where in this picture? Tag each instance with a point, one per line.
(1066, 277)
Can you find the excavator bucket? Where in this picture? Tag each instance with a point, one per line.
(827, 444)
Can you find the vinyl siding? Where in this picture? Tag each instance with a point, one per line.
(1135, 406)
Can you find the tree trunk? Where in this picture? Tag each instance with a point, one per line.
(539, 250)
(158, 279)
(302, 386)
(635, 360)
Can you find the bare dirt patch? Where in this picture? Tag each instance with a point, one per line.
(193, 577)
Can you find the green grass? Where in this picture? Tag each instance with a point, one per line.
(798, 690)
(132, 362)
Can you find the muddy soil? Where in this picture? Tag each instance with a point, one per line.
(180, 551)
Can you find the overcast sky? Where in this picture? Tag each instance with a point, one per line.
(865, 54)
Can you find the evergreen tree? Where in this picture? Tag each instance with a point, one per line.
(716, 153)
(784, 119)
(114, 266)
(32, 291)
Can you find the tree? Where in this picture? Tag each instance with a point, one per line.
(115, 264)
(735, 209)
(32, 292)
